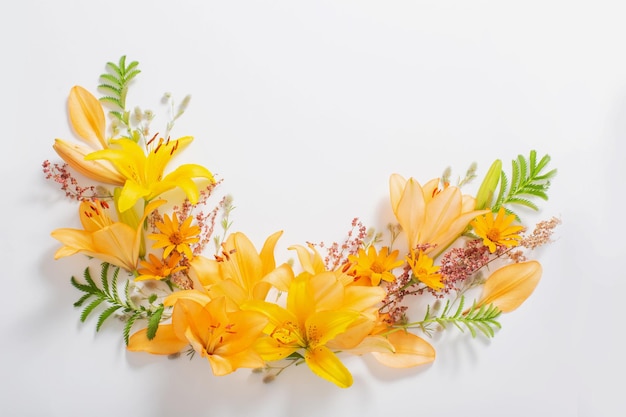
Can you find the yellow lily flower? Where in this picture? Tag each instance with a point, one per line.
(87, 120)
(429, 216)
(144, 173)
(242, 273)
(226, 338)
(319, 308)
(114, 242)
(508, 287)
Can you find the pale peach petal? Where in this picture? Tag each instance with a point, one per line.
(205, 271)
(165, 342)
(280, 278)
(267, 252)
(410, 350)
(410, 212)
(87, 116)
(74, 156)
(396, 187)
(508, 287)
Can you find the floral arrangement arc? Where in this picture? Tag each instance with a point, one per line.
(151, 226)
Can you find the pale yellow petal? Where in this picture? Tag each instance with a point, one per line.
(325, 364)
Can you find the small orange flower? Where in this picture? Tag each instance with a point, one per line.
(175, 236)
(375, 266)
(424, 271)
(497, 232)
(159, 269)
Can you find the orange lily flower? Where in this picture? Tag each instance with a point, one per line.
(114, 242)
(226, 338)
(430, 216)
(243, 273)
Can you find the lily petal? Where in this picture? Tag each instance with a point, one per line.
(325, 364)
(87, 116)
(74, 155)
(410, 350)
(165, 342)
(508, 287)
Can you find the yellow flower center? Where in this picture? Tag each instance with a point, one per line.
(493, 235)
(420, 272)
(286, 334)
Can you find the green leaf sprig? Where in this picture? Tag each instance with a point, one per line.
(108, 293)
(115, 83)
(476, 319)
(528, 180)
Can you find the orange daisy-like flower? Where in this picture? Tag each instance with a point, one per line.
(424, 270)
(175, 236)
(497, 232)
(159, 269)
(375, 266)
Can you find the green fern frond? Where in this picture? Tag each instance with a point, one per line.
(528, 180)
(105, 315)
(90, 307)
(128, 326)
(117, 80)
(111, 79)
(107, 293)
(475, 320)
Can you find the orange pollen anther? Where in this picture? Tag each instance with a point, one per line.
(159, 145)
(174, 148)
(152, 140)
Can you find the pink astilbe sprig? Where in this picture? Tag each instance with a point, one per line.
(337, 253)
(396, 291)
(458, 264)
(541, 235)
(204, 220)
(60, 174)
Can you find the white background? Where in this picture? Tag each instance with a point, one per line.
(305, 108)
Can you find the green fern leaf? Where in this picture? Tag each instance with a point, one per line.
(110, 88)
(82, 299)
(523, 202)
(81, 287)
(95, 303)
(128, 326)
(105, 315)
(90, 282)
(111, 79)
